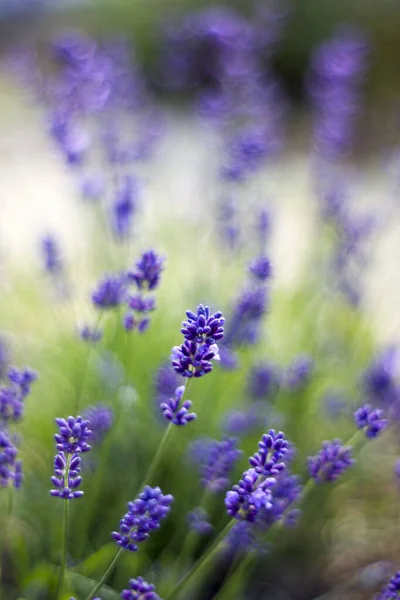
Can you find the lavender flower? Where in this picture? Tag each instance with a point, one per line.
(166, 381)
(101, 418)
(331, 462)
(148, 271)
(91, 334)
(299, 371)
(199, 521)
(193, 360)
(144, 515)
(110, 291)
(175, 410)
(392, 590)
(263, 381)
(139, 589)
(203, 327)
(221, 460)
(11, 405)
(260, 268)
(66, 478)
(22, 379)
(240, 422)
(51, 255)
(245, 323)
(370, 420)
(124, 207)
(73, 435)
(10, 467)
(379, 383)
(253, 496)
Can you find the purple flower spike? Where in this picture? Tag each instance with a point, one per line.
(331, 462)
(221, 460)
(51, 255)
(203, 327)
(199, 521)
(177, 412)
(260, 268)
(90, 334)
(148, 271)
(193, 360)
(139, 589)
(144, 515)
(73, 436)
(392, 590)
(101, 418)
(254, 497)
(370, 420)
(10, 467)
(110, 291)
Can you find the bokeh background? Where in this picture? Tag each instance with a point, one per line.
(346, 544)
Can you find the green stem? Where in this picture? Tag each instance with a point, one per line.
(189, 545)
(157, 457)
(213, 549)
(106, 574)
(64, 550)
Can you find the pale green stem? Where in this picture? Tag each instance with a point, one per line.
(106, 574)
(161, 447)
(64, 550)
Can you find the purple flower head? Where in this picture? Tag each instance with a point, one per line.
(245, 323)
(66, 478)
(199, 450)
(299, 371)
(139, 589)
(51, 255)
(110, 291)
(91, 334)
(199, 521)
(148, 271)
(140, 304)
(10, 467)
(129, 321)
(331, 462)
(144, 515)
(370, 420)
(124, 207)
(203, 327)
(252, 498)
(221, 460)
(175, 410)
(242, 537)
(379, 382)
(73, 435)
(240, 422)
(392, 590)
(263, 381)
(22, 379)
(11, 405)
(165, 381)
(101, 418)
(73, 47)
(191, 359)
(260, 268)
(247, 150)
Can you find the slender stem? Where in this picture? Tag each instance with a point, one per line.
(106, 574)
(157, 457)
(64, 550)
(213, 549)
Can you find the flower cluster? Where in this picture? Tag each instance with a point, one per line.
(10, 467)
(13, 395)
(391, 590)
(101, 418)
(144, 515)
(194, 357)
(175, 410)
(299, 371)
(221, 459)
(328, 465)
(51, 255)
(110, 292)
(253, 496)
(199, 521)
(146, 277)
(139, 589)
(260, 268)
(248, 312)
(71, 441)
(370, 420)
(91, 334)
(263, 381)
